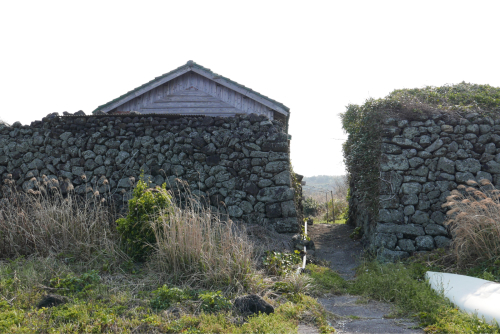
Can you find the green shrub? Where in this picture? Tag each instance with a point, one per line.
(72, 283)
(337, 208)
(281, 264)
(311, 207)
(214, 302)
(165, 297)
(143, 209)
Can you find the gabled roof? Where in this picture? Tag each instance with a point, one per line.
(192, 66)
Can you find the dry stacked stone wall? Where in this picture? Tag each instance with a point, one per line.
(421, 161)
(238, 165)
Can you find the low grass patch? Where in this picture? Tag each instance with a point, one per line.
(404, 285)
(324, 221)
(126, 303)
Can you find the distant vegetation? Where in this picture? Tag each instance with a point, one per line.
(319, 190)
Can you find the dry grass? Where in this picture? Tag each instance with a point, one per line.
(194, 245)
(50, 224)
(474, 222)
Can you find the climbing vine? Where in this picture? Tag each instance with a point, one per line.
(363, 125)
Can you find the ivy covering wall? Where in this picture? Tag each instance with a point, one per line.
(375, 122)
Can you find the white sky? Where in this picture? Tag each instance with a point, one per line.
(315, 57)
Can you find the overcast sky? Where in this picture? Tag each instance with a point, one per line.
(315, 57)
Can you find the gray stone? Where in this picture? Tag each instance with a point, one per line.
(435, 145)
(490, 148)
(410, 199)
(468, 165)
(127, 182)
(390, 216)
(387, 255)
(234, 211)
(492, 167)
(390, 149)
(36, 164)
(408, 230)
(442, 242)
(438, 217)
(446, 185)
(435, 229)
(407, 245)
(446, 165)
(410, 132)
(393, 162)
(122, 157)
(278, 156)
(210, 181)
(461, 177)
(288, 209)
(409, 210)
(415, 162)
(276, 166)
(406, 143)
(65, 136)
(88, 155)
(411, 188)
(246, 207)
(259, 154)
(385, 240)
(389, 202)
(483, 175)
(275, 194)
(263, 183)
(282, 179)
(420, 171)
(77, 171)
(420, 217)
(425, 243)
(177, 170)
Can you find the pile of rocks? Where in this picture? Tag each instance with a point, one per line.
(238, 165)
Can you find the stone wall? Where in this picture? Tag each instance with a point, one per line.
(421, 161)
(238, 165)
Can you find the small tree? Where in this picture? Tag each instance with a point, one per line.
(143, 210)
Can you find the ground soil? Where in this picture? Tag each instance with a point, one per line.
(355, 314)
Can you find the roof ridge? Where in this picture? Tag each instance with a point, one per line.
(191, 64)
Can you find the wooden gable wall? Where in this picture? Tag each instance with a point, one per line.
(192, 93)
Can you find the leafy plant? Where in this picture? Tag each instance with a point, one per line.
(73, 283)
(143, 209)
(214, 302)
(165, 297)
(311, 207)
(356, 234)
(280, 264)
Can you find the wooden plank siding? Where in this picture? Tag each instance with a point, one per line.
(192, 93)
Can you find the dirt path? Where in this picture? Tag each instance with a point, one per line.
(334, 245)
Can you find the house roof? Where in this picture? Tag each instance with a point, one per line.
(192, 66)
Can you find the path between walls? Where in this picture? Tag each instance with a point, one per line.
(334, 245)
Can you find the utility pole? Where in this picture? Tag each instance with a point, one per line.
(326, 194)
(333, 207)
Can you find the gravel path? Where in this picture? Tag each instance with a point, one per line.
(334, 245)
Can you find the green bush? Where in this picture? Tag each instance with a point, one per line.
(281, 264)
(337, 208)
(165, 297)
(311, 207)
(214, 302)
(72, 283)
(143, 209)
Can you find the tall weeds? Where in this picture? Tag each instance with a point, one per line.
(49, 224)
(474, 222)
(194, 245)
